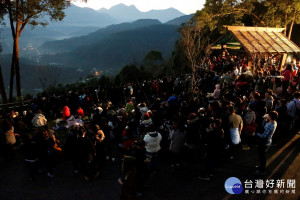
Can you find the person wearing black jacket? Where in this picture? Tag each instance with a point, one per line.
(46, 150)
(30, 150)
(84, 155)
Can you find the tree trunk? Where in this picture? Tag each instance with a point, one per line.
(285, 26)
(194, 82)
(17, 64)
(12, 68)
(283, 59)
(2, 88)
(291, 29)
(12, 75)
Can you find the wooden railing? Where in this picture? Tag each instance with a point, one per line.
(17, 106)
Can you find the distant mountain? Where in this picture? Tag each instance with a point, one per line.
(76, 16)
(78, 21)
(33, 38)
(119, 49)
(180, 20)
(66, 45)
(125, 13)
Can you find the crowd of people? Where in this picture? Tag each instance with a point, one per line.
(232, 108)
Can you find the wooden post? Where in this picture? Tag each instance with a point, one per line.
(283, 59)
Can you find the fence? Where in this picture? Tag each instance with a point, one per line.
(16, 106)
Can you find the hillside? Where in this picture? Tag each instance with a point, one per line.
(119, 49)
(180, 20)
(66, 45)
(78, 21)
(30, 76)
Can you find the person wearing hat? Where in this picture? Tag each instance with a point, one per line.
(80, 112)
(147, 121)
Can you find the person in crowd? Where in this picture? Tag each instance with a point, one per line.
(177, 139)
(287, 74)
(193, 136)
(46, 142)
(293, 110)
(129, 106)
(30, 150)
(66, 113)
(265, 140)
(259, 108)
(249, 127)
(236, 127)
(259, 85)
(80, 112)
(152, 144)
(20, 127)
(99, 146)
(39, 120)
(139, 153)
(27, 117)
(128, 179)
(146, 121)
(214, 148)
(9, 140)
(84, 155)
(143, 108)
(128, 138)
(269, 100)
(217, 92)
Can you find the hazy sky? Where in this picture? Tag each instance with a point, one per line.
(185, 6)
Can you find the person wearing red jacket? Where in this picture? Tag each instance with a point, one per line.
(80, 112)
(287, 75)
(66, 113)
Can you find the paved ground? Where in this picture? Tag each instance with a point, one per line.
(283, 163)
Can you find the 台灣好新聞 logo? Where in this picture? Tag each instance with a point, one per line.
(233, 185)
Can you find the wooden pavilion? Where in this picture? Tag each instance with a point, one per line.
(257, 40)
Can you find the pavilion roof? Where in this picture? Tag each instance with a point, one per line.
(259, 40)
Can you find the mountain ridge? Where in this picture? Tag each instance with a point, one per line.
(120, 48)
(125, 13)
(61, 46)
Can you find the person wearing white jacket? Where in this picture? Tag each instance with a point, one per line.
(152, 144)
(39, 119)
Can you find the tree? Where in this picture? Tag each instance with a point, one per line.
(195, 40)
(129, 73)
(2, 88)
(48, 76)
(153, 57)
(178, 61)
(153, 62)
(217, 13)
(283, 14)
(32, 12)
